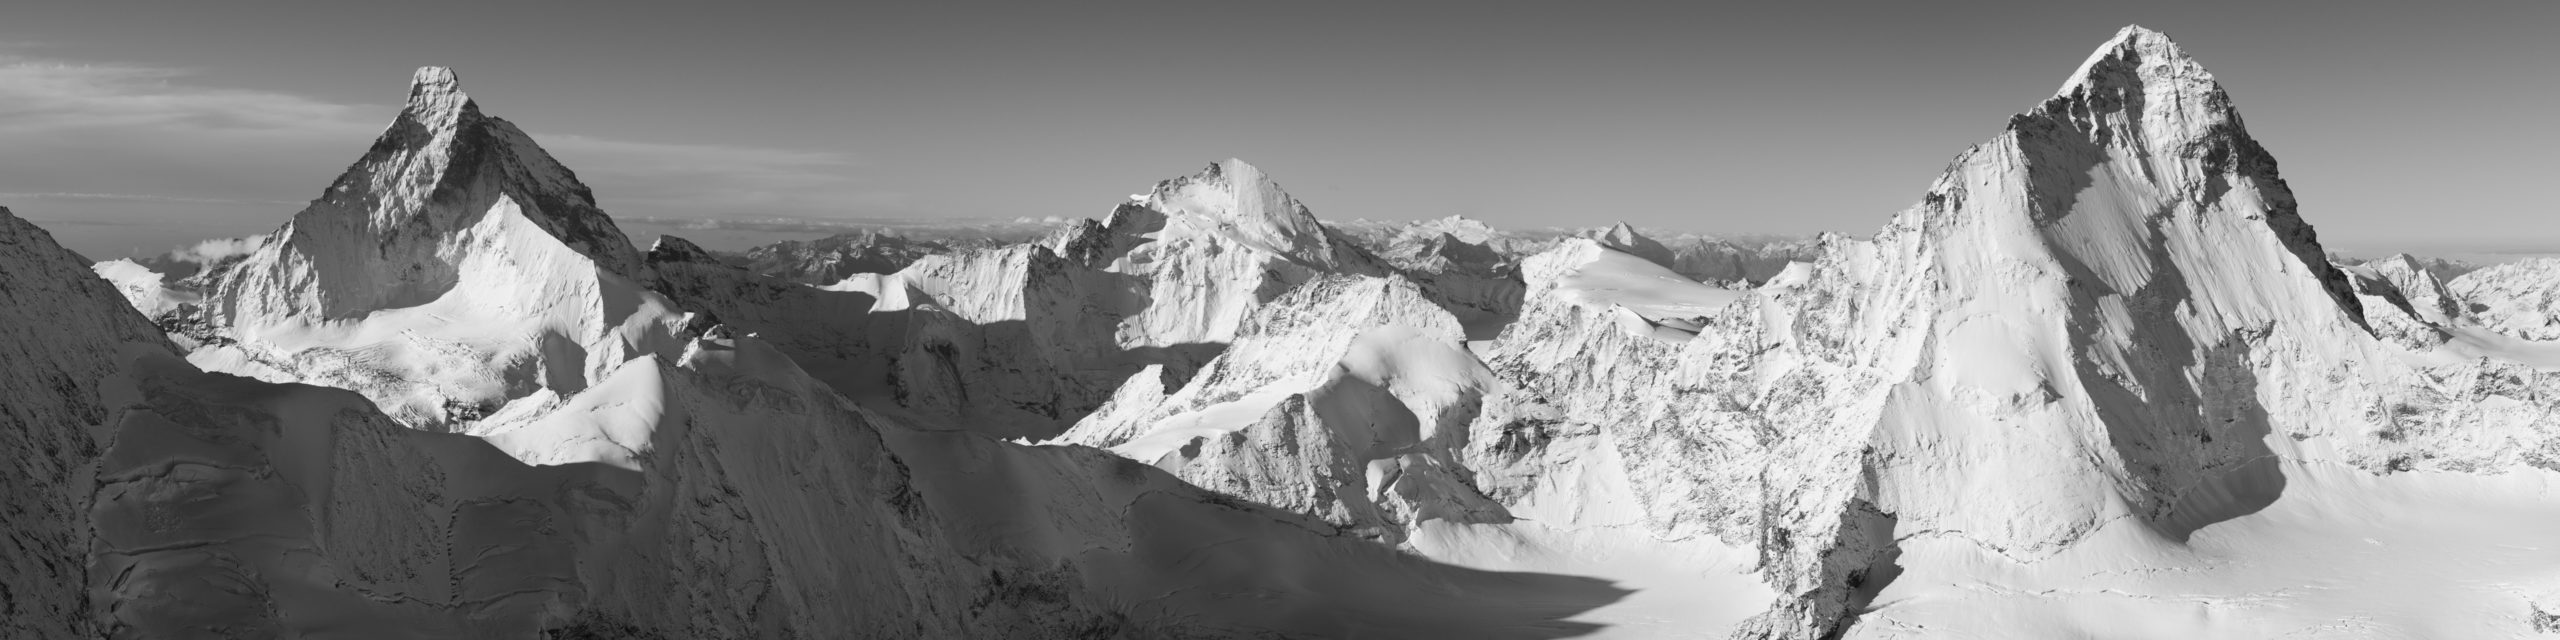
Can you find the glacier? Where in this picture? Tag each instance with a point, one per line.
(2101, 380)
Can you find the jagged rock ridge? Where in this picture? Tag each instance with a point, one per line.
(2115, 297)
(2106, 326)
(439, 167)
(511, 289)
(832, 259)
(699, 483)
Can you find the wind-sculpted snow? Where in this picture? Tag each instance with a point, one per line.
(718, 492)
(1210, 247)
(283, 510)
(2520, 298)
(1450, 259)
(497, 348)
(2421, 285)
(1022, 341)
(63, 335)
(1013, 342)
(1347, 399)
(723, 495)
(2101, 380)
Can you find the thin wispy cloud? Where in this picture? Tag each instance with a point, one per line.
(136, 197)
(91, 140)
(697, 179)
(54, 96)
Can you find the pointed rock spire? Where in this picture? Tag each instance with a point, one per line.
(434, 86)
(385, 234)
(437, 106)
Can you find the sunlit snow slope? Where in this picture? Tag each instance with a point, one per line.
(636, 469)
(2102, 380)
(2100, 333)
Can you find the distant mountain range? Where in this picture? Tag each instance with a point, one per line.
(2101, 380)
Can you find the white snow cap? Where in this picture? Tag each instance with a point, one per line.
(1238, 199)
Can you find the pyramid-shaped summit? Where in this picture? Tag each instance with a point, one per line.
(1235, 200)
(385, 233)
(2141, 99)
(2092, 298)
(464, 156)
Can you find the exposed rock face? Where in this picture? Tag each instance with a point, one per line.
(1013, 342)
(720, 492)
(1713, 259)
(699, 482)
(1625, 239)
(2421, 284)
(1454, 263)
(2114, 297)
(1022, 341)
(379, 238)
(508, 288)
(2106, 321)
(1211, 247)
(831, 259)
(1737, 260)
(1347, 399)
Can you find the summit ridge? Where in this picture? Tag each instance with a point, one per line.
(2099, 377)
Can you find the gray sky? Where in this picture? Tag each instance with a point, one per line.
(137, 126)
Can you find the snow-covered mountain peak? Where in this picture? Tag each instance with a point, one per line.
(1625, 238)
(2143, 133)
(671, 248)
(2143, 86)
(1236, 200)
(389, 231)
(442, 163)
(2151, 54)
(1462, 228)
(460, 234)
